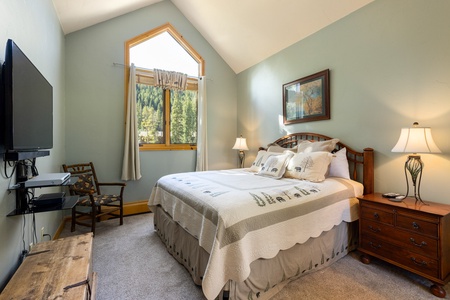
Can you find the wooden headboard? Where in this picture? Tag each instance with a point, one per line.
(361, 164)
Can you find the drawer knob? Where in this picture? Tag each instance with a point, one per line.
(415, 225)
(374, 246)
(416, 244)
(374, 229)
(376, 215)
(419, 263)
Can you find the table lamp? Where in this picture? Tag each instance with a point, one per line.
(241, 145)
(415, 140)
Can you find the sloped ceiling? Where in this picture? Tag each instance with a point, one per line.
(243, 32)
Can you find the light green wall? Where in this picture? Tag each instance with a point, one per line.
(95, 100)
(389, 66)
(34, 26)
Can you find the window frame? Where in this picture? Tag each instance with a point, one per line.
(148, 73)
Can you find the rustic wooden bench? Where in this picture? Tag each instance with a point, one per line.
(58, 269)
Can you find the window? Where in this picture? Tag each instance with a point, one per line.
(166, 119)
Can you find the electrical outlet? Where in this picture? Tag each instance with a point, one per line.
(42, 234)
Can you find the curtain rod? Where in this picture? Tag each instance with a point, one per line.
(123, 65)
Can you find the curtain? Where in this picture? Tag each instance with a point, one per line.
(131, 169)
(202, 151)
(169, 80)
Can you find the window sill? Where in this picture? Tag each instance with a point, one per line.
(166, 147)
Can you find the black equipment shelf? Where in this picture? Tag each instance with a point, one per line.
(67, 203)
(23, 207)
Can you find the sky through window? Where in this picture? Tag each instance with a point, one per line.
(163, 52)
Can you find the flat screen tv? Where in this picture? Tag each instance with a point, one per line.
(27, 104)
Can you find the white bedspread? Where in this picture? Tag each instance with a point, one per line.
(239, 217)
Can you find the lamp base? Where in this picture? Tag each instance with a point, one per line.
(241, 158)
(414, 166)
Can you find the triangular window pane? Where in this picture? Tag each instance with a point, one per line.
(163, 52)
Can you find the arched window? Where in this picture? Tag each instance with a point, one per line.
(167, 119)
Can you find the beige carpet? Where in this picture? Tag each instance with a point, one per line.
(132, 263)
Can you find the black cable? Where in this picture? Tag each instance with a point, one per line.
(23, 233)
(34, 170)
(12, 172)
(35, 239)
(4, 169)
(24, 251)
(30, 196)
(10, 179)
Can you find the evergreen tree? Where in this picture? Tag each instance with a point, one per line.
(150, 115)
(176, 119)
(190, 121)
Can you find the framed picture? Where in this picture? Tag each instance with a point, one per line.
(307, 99)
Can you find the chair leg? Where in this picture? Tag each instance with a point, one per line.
(99, 211)
(93, 228)
(93, 219)
(74, 215)
(121, 212)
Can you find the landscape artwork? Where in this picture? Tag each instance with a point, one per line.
(307, 99)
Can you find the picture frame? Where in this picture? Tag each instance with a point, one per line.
(307, 99)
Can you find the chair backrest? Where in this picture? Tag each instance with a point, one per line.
(87, 179)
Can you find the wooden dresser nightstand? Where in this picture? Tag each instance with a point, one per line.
(410, 235)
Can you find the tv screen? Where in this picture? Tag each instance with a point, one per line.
(28, 102)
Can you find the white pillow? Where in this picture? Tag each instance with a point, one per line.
(278, 148)
(310, 166)
(307, 146)
(261, 158)
(339, 165)
(256, 165)
(275, 165)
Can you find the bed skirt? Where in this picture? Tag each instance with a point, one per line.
(268, 276)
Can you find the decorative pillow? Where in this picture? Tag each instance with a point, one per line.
(275, 148)
(275, 165)
(307, 146)
(261, 158)
(310, 166)
(279, 149)
(339, 165)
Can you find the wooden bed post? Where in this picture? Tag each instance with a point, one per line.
(368, 171)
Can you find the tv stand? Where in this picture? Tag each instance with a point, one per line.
(23, 155)
(67, 203)
(22, 204)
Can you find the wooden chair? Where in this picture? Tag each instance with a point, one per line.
(92, 203)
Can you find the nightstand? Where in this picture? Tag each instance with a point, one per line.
(407, 234)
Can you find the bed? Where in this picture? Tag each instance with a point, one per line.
(246, 233)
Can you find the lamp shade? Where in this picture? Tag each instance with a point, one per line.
(241, 144)
(416, 140)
